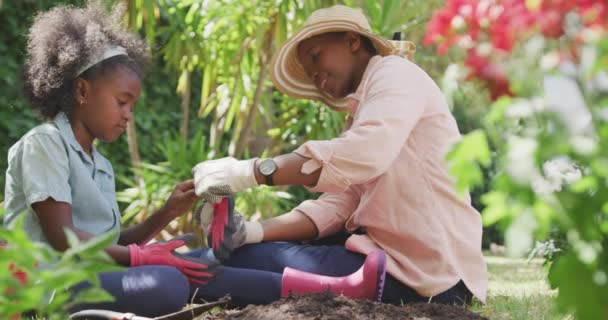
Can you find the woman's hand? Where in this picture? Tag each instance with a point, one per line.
(218, 178)
(181, 199)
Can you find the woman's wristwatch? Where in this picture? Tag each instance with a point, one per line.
(267, 168)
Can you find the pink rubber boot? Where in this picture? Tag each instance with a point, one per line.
(365, 283)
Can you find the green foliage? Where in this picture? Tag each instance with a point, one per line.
(300, 120)
(467, 158)
(50, 273)
(552, 168)
(263, 202)
(16, 118)
(158, 180)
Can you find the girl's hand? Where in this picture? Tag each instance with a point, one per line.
(181, 199)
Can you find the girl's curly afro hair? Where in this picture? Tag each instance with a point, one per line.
(61, 41)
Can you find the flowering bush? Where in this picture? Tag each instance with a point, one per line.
(488, 30)
(544, 63)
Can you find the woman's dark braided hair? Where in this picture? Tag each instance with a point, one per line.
(61, 41)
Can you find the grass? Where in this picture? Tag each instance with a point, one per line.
(518, 290)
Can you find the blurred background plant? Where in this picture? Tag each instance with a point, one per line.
(35, 278)
(545, 63)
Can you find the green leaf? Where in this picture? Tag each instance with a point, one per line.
(496, 207)
(465, 159)
(92, 295)
(94, 245)
(583, 295)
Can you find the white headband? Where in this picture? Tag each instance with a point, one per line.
(108, 52)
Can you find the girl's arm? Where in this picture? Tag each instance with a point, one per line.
(181, 199)
(143, 232)
(56, 216)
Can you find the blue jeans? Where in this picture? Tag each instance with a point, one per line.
(260, 266)
(252, 275)
(147, 291)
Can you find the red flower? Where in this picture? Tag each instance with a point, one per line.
(491, 73)
(502, 23)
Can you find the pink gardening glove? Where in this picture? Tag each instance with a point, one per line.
(220, 221)
(225, 228)
(195, 269)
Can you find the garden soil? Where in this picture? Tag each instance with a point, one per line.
(326, 306)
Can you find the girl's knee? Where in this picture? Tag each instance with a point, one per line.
(173, 287)
(156, 290)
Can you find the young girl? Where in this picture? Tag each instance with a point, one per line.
(83, 74)
(384, 178)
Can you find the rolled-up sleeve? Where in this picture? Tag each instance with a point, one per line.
(331, 210)
(45, 170)
(395, 99)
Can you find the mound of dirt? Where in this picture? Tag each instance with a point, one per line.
(325, 305)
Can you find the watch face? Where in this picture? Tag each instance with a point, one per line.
(267, 167)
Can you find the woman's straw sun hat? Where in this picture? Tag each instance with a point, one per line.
(289, 76)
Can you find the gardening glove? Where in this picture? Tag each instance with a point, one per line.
(226, 229)
(162, 253)
(218, 178)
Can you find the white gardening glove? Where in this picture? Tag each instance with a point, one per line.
(223, 177)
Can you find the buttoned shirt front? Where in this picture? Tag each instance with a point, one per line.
(386, 174)
(48, 162)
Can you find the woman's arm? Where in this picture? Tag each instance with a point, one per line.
(289, 171)
(292, 226)
(396, 99)
(55, 217)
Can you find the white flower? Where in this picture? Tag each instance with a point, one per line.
(465, 42)
(557, 172)
(495, 11)
(549, 61)
(518, 236)
(449, 83)
(603, 114)
(543, 187)
(458, 23)
(583, 144)
(484, 49)
(561, 169)
(523, 108)
(484, 22)
(520, 158)
(466, 10)
(599, 277)
(565, 98)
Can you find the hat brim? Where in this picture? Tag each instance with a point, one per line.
(289, 76)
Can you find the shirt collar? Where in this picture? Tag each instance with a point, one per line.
(63, 124)
(358, 95)
(366, 74)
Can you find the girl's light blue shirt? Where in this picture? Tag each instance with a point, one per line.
(48, 162)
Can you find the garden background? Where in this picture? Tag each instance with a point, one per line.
(526, 81)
